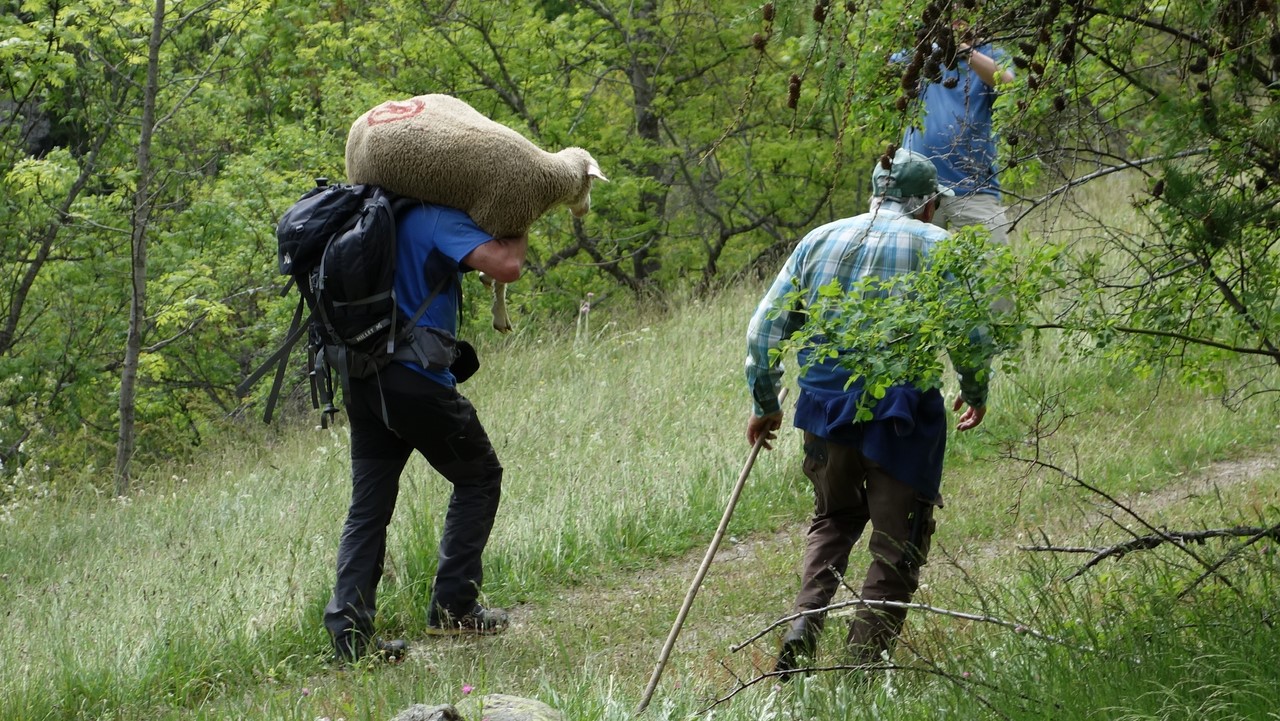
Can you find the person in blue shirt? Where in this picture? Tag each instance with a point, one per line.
(888, 470)
(958, 137)
(415, 406)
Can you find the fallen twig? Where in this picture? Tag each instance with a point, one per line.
(1115, 502)
(931, 670)
(1272, 533)
(1017, 627)
(1143, 543)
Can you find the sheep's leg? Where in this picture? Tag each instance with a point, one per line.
(501, 322)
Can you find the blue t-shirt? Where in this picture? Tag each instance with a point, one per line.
(957, 132)
(431, 242)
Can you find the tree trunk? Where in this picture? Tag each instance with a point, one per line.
(138, 242)
(642, 72)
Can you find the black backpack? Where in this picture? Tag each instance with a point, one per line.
(338, 245)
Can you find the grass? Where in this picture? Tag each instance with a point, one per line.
(199, 597)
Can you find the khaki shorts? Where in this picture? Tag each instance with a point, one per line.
(982, 209)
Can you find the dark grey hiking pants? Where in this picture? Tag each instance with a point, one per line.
(850, 490)
(442, 425)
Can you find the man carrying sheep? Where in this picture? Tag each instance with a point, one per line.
(478, 186)
(439, 149)
(886, 470)
(424, 412)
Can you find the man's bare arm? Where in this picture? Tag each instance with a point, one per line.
(501, 258)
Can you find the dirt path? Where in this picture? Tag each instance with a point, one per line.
(762, 569)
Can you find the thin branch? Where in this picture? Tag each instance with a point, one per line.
(178, 335)
(1178, 33)
(1174, 336)
(780, 675)
(1108, 170)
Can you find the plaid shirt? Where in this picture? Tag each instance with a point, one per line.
(880, 243)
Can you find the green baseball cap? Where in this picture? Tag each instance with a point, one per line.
(911, 175)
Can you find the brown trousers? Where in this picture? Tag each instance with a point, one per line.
(850, 489)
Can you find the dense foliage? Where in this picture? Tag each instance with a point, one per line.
(254, 101)
(968, 305)
(1182, 93)
(726, 130)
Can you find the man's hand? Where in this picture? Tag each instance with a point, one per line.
(762, 429)
(971, 418)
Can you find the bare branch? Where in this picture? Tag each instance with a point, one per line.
(1088, 177)
(1269, 351)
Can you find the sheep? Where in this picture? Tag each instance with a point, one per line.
(439, 149)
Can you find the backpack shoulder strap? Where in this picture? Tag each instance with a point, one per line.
(297, 327)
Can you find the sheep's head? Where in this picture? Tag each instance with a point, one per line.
(589, 171)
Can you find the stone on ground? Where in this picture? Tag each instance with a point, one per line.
(423, 712)
(501, 707)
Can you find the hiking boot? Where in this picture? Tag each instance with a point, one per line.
(352, 647)
(480, 621)
(800, 641)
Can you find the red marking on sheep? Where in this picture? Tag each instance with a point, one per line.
(392, 111)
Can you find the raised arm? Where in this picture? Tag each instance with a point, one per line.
(985, 66)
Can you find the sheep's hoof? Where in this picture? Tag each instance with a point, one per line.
(501, 321)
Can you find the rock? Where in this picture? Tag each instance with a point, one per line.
(422, 712)
(501, 707)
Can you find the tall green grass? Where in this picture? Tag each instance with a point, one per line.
(199, 597)
(618, 451)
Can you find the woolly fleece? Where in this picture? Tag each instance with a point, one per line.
(439, 149)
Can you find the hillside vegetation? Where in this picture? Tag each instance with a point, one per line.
(1108, 548)
(147, 151)
(199, 597)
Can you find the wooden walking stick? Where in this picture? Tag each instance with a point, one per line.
(706, 564)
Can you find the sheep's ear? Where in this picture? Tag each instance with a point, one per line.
(593, 171)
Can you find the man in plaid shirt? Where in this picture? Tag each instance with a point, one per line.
(887, 470)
